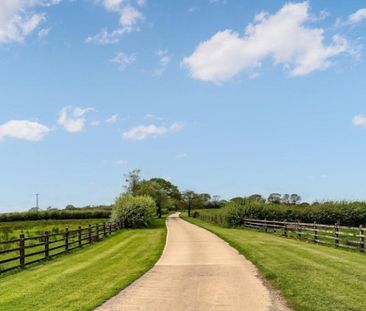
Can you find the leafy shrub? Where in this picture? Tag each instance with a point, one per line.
(133, 211)
(195, 214)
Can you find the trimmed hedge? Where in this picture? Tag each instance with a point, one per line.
(60, 214)
(345, 213)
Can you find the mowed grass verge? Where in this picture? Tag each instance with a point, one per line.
(86, 278)
(310, 277)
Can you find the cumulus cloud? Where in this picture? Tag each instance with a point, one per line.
(19, 18)
(73, 119)
(112, 119)
(359, 120)
(123, 60)
(23, 129)
(130, 17)
(145, 131)
(286, 37)
(357, 17)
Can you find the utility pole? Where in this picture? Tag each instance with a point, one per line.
(37, 200)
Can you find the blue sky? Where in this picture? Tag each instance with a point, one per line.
(226, 97)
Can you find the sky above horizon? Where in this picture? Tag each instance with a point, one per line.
(219, 96)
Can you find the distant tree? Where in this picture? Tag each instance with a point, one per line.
(295, 198)
(256, 198)
(285, 199)
(70, 207)
(34, 209)
(304, 204)
(188, 198)
(216, 198)
(237, 199)
(215, 202)
(274, 198)
(132, 181)
(202, 200)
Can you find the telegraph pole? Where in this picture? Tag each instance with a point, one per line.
(37, 200)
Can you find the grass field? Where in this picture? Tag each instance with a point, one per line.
(87, 277)
(310, 277)
(11, 230)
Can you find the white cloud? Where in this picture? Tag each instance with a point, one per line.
(121, 162)
(145, 131)
(150, 116)
(286, 37)
(181, 156)
(357, 17)
(164, 59)
(95, 123)
(359, 120)
(130, 17)
(23, 129)
(193, 9)
(112, 119)
(123, 60)
(73, 119)
(18, 18)
(217, 1)
(43, 33)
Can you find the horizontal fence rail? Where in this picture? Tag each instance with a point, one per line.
(21, 252)
(336, 235)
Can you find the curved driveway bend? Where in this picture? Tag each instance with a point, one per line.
(197, 272)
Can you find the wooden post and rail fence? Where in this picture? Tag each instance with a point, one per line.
(21, 252)
(336, 235)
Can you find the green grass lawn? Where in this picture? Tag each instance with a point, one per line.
(310, 277)
(87, 277)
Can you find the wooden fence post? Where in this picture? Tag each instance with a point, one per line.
(265, 225)
(79, 236)
(285, 229)
(97, 232)
(336, 235)
(66, 239)
(104, 230)
(362, 239)
(21, 251)
(110, 228)
(46, 245)
(90, 235)
(315, 233)
(299, 231)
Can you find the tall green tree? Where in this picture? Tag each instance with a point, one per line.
(156, 192)
(132, 180)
